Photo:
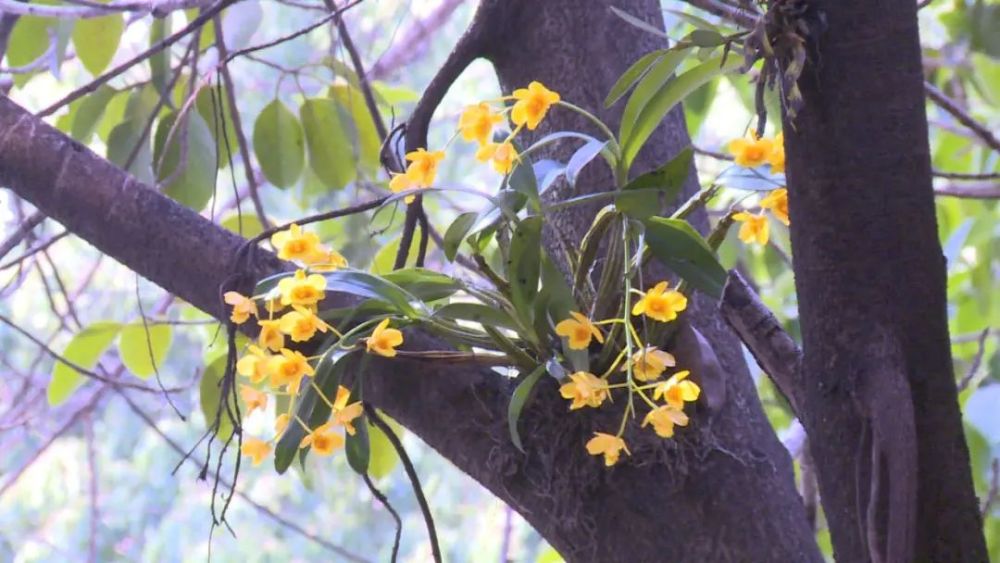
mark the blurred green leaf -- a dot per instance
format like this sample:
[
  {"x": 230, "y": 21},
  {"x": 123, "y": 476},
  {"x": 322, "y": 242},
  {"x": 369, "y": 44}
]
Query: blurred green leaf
[
  {"x": 96, "y": 41},
  {"x": 210, "y": 394},
  {"x": 330, "y": 154},
  {"x": 138, "y": 342},
  {"x": 358, "y": 446},
  {"x": 122, "y": 141},
  {"x": 525, "y": 263},
  {"x": 366, "y": 142},
  {"x": 250, "y": 222},
  {"x": 185, "y": 160},
  {"x": 84, "y": 350},
  {"x": 91, "y": 110},
  {"x": 28, "y": 40},
  {"x": 279, "y": 144},
  {"x": 383, "y": 457},
  {"x": 213, "y": 106}
]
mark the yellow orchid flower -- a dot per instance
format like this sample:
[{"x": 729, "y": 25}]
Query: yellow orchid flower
[
  {"x": 579, "y": 330},
  {"x": 648, "y": 363},
  {"x": 608, "y": 445},
  {"x": 585, "y": 390},
  {"x": 256, "y": 448},
  {"x": 243, "y": 306},
  {"x": 755, "y": 228},
  {"x": 660, "y": 304},
  {"x": 384, "y": 340},
  {"x": 677, "y": 390},
  {"x": 664, "y": 419},
  {"x": 532, "y": 104}
]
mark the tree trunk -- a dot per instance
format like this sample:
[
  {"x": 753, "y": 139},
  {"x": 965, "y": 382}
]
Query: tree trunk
[
  {"x": 721, "y": 491},
  {"x": 881, "y": 404}
]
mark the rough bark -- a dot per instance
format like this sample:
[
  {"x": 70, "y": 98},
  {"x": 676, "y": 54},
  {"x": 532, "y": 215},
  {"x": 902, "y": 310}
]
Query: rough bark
[
  {"x": 880, "y": 400},
  {"x": 722, "y": 491}
]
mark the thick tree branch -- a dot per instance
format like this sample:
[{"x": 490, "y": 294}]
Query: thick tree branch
[{"x": 778, "y": 355}]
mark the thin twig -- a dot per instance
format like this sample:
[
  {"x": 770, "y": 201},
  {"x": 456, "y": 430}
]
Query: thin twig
[
  {"x": 291, "y": 525},
  {"x": 970, "y": 191},
  {"x": 950, "y": 106},
  {"x": 976, "y": 360},
  {"x": 418, "y": 491},
  {"x": 21, "y": 233},
  {"x": 241, "y": 139},
  {"x": 395, "y": 515},
  {"x": 166, "y": 42}
]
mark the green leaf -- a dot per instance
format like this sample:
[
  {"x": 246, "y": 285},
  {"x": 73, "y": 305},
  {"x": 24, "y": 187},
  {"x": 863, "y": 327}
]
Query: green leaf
[
  {"x": 524, "y": 266},
  {"x": 90, "y": 112},
  {"x": 366, "y": 143},
  {"x": 679, "y": 247},
  {"x": 239, "y": 25},
  {"x": 424, "y": 284},
  {"x": 279, "y": 144},
  {"x": 191, "y": 173},
  {"x": 383, "y": 457},
  {"x": 159, "y": 63},
  {"x": 590, "y": 245},
  {"x": 457, "y": 232},
  {"x": 477, "y": 313},
  {"x": 641, "y": 198},
  {"x": 522, "y": 179},
  {"x": 86, "y": 347},
  {"x": 658, "y": 75},
  {"x": 219, "y": 119},
  {"x": 330, "y": 154},
  {"x": 665, "y": 98},
  {"x": 141, "y": 104},
  {"x": 517, "y": 401},
  {"x": 96, "y": 40},
  {"x": 210, "y": 394},
  {"x": 634, "y": 73},
  {"x": 358, "y": 446},
  {"x": 385, "y": 259},
  {"x": 122, "y": 140},
  {"x": 310, "y": 408},
  {"x": 134, "y": 347},
  {"x": 704, "y": 38},
  {"x": 250, "y": 222},
  {"x": 28, "y": 40},
  {"x": 371, "y": 286},
  {"x": 581, "y": 158},
  {"x": 114, "y": 113}
]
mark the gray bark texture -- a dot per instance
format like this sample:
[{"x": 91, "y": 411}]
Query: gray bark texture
[{"x": 880, "y": 401}]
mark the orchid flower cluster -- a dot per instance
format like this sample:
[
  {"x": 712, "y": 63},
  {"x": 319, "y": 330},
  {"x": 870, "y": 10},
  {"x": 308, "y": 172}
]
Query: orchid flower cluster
[
  {"x": 291, "y": 314},
  {"x": 616, "y": 353},
  {"x": 757, "y": 151},
  {"x": 643, "y": 370}
]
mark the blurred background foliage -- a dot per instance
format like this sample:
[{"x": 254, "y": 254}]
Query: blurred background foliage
[{"x": 87, "y": 470}]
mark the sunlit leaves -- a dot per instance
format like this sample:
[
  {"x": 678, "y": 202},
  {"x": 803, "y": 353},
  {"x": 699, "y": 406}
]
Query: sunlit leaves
[
  {"x": 143, "y": 348},
  {"x": 122, "y": 143},
  {"x": 330, "y": 154},
  {"x": 279, "y": 144},
  {"x": 90, "y": 112},
  {"x": 96, "y": 41},
  {"x": 28, "y": 40},
  {"x": 86, "y": 347},
  {"x": 184, "y": 159}
]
